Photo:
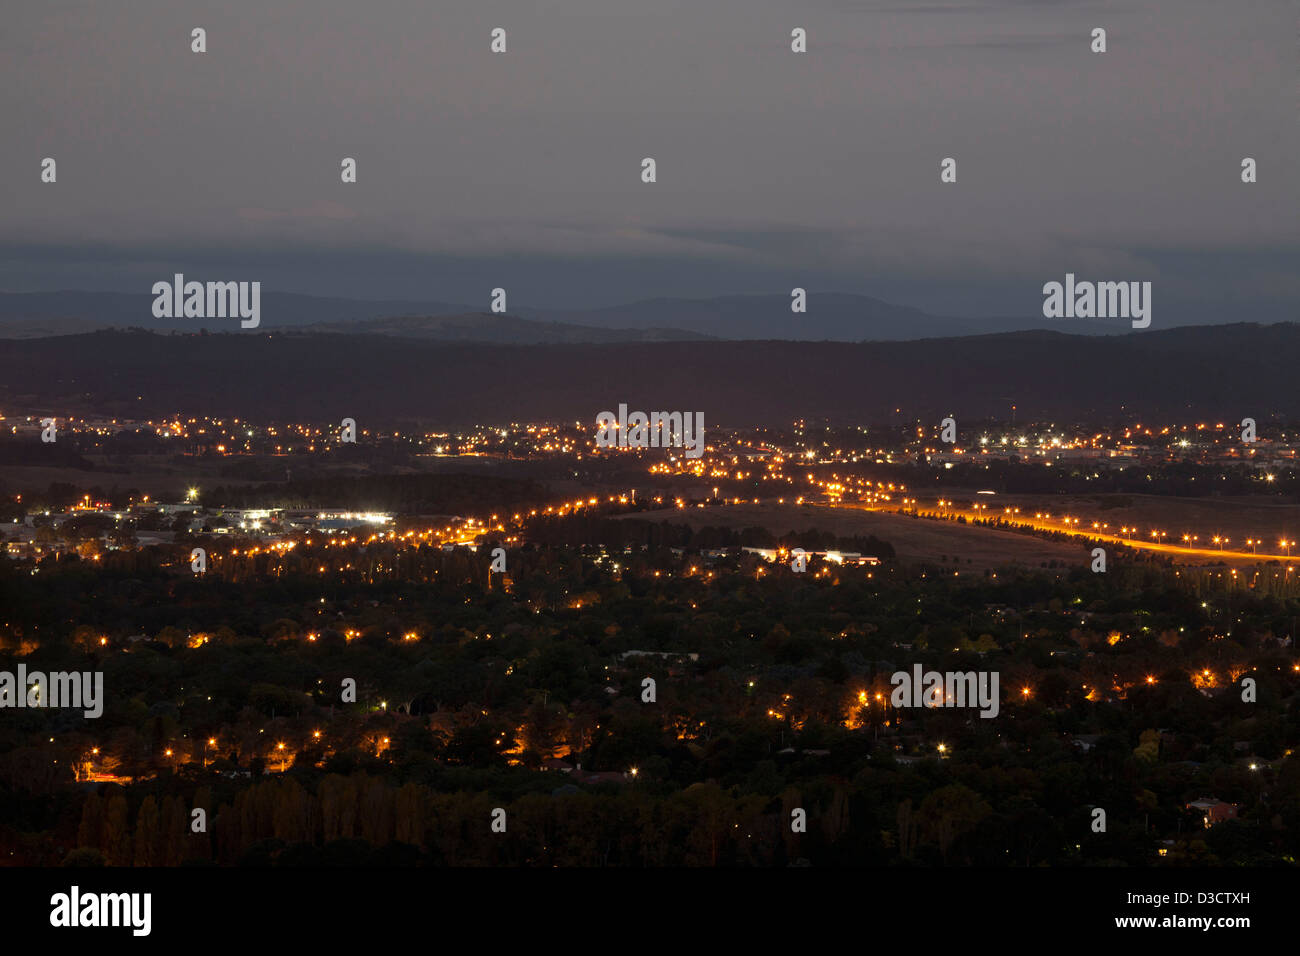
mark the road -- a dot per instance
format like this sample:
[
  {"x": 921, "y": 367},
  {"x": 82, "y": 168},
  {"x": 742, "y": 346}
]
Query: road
[{"x": 1058, "y": 526}]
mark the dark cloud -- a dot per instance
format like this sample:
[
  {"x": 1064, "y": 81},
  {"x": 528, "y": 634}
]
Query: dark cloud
[{"x": 822, "y": 166}]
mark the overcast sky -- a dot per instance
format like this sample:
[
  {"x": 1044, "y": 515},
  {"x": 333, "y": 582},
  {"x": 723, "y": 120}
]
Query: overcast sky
[{"x": 775, "y": 169}]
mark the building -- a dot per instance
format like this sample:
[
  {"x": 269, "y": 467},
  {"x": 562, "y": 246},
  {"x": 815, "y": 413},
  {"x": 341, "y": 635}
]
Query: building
[{"x": 1213, "y": 811}]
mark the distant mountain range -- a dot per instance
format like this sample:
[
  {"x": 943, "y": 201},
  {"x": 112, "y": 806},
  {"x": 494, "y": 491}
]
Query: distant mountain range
[
  {"x": 1218, "y": 373},
  {"x": 494, "y": 329},
  {"x": 830, "y": 316}
]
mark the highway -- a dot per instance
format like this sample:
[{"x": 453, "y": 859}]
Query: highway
[{"x": 1059, "y": 526}]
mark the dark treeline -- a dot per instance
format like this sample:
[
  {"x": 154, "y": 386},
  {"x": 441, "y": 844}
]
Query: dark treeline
[
  {"x": 27, "y": 450},
  {"x": 869, "y": 818},
  {"x": 1184, "y": 479},
  {"x": 406, "y": 494},
  {"x": 639, "y": 532},
  {"x": 141, "y": 374}
]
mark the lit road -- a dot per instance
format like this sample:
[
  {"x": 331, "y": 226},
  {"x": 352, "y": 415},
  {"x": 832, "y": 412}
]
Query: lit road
[{"x": 1058, "y": 526}]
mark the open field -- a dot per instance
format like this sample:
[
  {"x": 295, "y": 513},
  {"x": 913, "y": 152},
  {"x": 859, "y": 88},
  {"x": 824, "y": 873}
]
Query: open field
[{"x": 914, "y": 539}]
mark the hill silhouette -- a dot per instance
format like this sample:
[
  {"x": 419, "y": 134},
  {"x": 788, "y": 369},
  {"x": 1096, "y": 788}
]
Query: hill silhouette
[{"x": 1222, "y": 372}]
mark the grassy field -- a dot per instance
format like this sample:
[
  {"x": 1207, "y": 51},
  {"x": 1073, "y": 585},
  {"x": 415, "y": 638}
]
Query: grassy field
[{"x": 914, "y": 539}]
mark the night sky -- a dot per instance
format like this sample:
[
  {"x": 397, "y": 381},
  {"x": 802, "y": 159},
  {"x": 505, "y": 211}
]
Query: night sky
[{"x": 775, "y": 169}]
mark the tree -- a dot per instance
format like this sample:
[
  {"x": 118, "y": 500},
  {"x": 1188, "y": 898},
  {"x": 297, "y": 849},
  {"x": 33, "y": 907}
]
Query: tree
[
  {"x": 1148, "y": 748},
  {"x": 90, "y": 833},
  {"x": 117, "y": 835},
  {"x": 84, "y": 856},
  {"x": 147, "y": 827},
  {"x": 950, "y": 812},
  {"x": 906, "y": 830},
  {"x": 480, "y": 745},
  {"x": 172, "y": 837}
]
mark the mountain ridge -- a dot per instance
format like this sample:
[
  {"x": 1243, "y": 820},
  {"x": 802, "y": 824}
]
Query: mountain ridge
[
  {"x": 1174, "y": 374},
  {"x": 831, "y": 316}
]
